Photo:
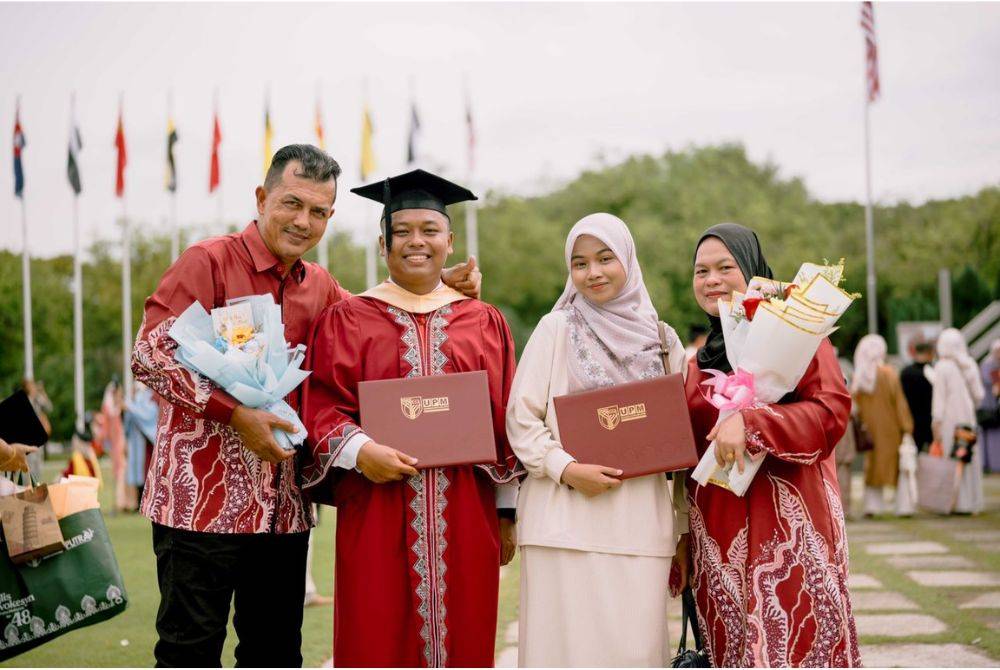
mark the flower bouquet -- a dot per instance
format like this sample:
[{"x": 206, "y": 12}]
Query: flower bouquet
[
  {"x": 242, "y": 348},
  {"x": 772, "y": 333}
]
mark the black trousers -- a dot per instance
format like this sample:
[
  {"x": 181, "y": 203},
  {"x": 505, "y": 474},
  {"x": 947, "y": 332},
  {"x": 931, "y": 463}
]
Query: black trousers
[{"x": 199, "y": 575}]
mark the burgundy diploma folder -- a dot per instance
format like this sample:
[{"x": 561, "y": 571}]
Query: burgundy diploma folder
[
  {"x": 440, "y": 420},
  {"x": 641, "y": 427}
]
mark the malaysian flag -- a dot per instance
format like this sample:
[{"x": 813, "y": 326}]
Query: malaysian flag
[
  {"x": 18, "y": 147},
  {"x": 871, "y": 51}
]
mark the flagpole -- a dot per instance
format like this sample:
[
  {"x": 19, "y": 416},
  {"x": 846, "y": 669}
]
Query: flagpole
[
  {"x": 126, "y": 302},
  {"x": 29, "y": 362},
  {"x": 371, "y": 276},
  {"x": 869, "y": 226},
  {"x": 471, "y": 209},
  {"x": 126, "y": 259},
  {"x": 175, "y": 239},
  {"x": 175, "y": 234},
  {"x": 77, "y": 318},
  {"x": 322, "y": 251},
  {"x": 218, "y": 196},
  {"x": 371, "y": 269},
  {"x": 472, "y": 226}
]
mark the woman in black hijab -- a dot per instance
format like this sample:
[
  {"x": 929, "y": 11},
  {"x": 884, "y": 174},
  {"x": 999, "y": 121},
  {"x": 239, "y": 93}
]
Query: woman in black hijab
[{"x": 768, "y": 569}]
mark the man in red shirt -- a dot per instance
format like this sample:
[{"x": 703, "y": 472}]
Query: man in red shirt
[{"x": 228, "y": 515}]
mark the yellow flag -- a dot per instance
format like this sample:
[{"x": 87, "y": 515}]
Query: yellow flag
[
  {"x": 367, "y": 152},
  {"x": 268, "y": 137}
]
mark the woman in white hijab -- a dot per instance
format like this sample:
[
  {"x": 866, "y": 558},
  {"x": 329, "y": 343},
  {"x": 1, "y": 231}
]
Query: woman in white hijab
[
  {"x": 957, "y": 391},
  {"x": 595, "y": 550},
  {"x": 882, "y": 408}
]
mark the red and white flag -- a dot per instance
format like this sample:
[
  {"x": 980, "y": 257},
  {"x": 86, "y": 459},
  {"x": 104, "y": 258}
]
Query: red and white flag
[
  {"x": 122, "y": 155},
  {"x": 871, "y": 51},
  {"x": 214, "y": 174}
]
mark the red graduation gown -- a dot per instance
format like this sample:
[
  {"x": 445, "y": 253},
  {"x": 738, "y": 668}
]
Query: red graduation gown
[
  {"x": 417, "y": 561},
  {"x": 770, "y": 568}
]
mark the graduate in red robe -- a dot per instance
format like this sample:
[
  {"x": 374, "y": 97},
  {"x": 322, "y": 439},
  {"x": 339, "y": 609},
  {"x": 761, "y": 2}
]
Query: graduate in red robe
[
  {"x": 418, "y": 552},
  {"x": 769, "y": 569}
]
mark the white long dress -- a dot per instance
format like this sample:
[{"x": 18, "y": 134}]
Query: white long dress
[
  {"x": 953, "y": 403},
  {"x": 594, "y": 571}
]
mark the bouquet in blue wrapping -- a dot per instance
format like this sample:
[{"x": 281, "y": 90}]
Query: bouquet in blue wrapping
[{"x": 242, "y": 348}]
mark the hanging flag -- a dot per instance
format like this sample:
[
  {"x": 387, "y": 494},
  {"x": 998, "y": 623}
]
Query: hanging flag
[
  {"x": 171, "y": 180},
  {"x": 367, "y": 151},
  {"x": 122, "y": 156},
  {"x": 471, "y": 132},
  {"x": 319, "y": 126},
  {"x": 73, "y": 158},
  {"x": 214, "y": 174},
  {"x": 871, "y": 51},
  {"x": 268, "y": 136},
  {"x": 411, "y": 143},
  {"x": 19, "y": 144}
]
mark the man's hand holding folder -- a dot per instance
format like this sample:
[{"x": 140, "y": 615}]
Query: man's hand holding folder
[{"x": 382, "y": 464}]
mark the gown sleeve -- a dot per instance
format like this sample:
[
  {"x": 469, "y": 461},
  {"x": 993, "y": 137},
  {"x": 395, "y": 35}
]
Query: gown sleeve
[
  {"x": 808, "y": 428},
  {"x": 329, "y": 396},
  {"x": 191, "y": 278}
]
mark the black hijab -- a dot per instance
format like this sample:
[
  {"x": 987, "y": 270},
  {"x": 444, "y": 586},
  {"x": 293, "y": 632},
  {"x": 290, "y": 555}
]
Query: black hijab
[{"x": 745, "y": 248}]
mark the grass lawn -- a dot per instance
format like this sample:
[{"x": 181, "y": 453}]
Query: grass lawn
[{"x": 128, "y": 639}]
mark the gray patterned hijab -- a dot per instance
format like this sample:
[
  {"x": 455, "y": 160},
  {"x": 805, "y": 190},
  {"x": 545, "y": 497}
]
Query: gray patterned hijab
[{"x": 618, "y": 341}]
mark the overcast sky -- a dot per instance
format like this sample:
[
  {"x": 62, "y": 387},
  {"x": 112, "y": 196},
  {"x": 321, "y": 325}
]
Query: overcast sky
[{"x": 553, "y": 86}]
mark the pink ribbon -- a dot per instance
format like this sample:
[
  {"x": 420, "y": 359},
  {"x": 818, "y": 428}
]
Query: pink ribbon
[{"x": 732, "y": 392}]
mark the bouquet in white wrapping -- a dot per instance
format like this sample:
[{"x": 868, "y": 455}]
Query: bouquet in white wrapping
[
  {"x": 772, "y": 333},
  {"x": 242, "y": 348}
]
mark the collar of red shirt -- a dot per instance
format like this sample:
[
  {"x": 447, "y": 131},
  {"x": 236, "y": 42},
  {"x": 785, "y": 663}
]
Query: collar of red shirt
[{"x": 263, "y": 259}]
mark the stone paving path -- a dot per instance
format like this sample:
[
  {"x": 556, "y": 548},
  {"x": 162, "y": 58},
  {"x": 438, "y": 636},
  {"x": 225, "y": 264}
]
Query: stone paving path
[{"x": 946, "y": 566}]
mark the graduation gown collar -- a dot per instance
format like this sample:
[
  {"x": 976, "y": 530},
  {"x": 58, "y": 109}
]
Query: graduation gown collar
[{"x": 395, "y": 295}]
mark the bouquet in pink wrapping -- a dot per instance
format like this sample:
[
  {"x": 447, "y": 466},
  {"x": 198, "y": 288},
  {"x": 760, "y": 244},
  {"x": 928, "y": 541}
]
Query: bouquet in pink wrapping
[{"x": 772, "y": 333}]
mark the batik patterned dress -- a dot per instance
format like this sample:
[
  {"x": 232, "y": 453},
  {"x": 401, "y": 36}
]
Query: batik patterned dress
[{"x": 770, "y": 568}]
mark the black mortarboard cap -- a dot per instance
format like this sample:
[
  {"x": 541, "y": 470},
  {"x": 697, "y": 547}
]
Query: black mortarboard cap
[
  {"x": 417, "y": 189},
  {"x": 19, "y": 423}
]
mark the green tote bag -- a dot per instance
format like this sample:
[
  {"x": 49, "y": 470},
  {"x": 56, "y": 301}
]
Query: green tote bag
[{"x": 77, "y": 587}]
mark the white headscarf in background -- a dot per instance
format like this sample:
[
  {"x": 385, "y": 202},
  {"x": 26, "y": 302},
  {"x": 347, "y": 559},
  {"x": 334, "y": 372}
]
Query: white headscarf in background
[
  {"x": 951, "y": 346},
  {"x": 867, "y": 357},
  {"x": 618, "y": 341}
]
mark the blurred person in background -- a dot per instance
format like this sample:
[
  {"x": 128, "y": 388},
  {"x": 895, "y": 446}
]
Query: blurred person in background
[
  {"x": 846, "y": 449},
  {"x": 84, "y": 450},
  {"x": 882, "y": 410},
  {"x": 111, "y": 436},
  {"x": 958, "y": 390},
  {"x": 989, "y": 409},
  {"x": 40, "y": 402},
  {"x": 139, "y": 422},
  {"x": 917, "y": 389}
]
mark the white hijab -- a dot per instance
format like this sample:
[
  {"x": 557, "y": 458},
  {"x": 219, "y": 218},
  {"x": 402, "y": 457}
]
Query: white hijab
[
  {"x": 618, "y": 341},
  {"x": 869, "y": 355},
  {"x": 951, "y": 346}
]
